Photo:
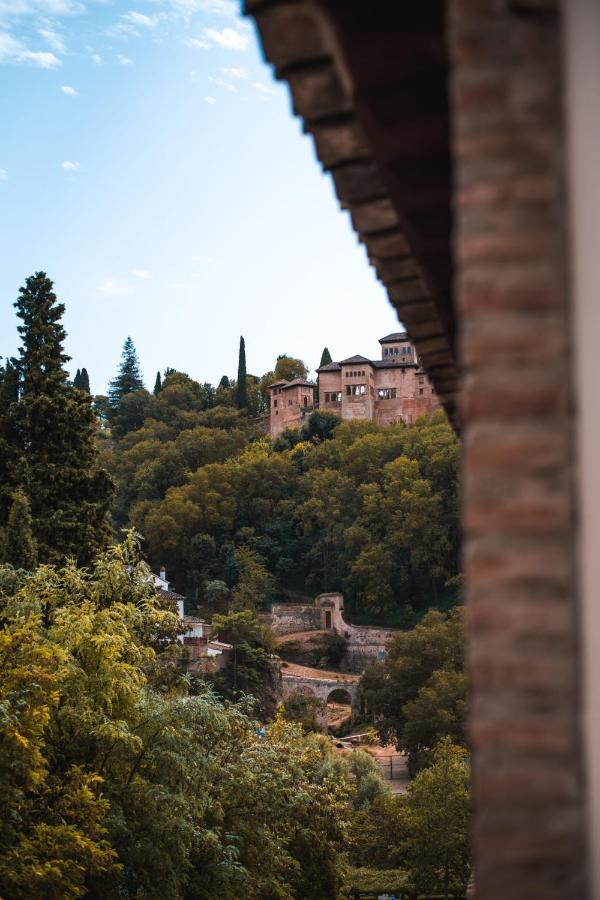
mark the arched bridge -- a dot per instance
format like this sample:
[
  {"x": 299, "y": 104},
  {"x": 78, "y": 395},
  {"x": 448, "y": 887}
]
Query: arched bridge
[{"x": 297, "y": 679}]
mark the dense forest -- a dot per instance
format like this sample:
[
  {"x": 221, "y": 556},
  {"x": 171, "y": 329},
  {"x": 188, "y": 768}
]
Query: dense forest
[
  {"x": 337, "y": 506},
  {"x": 123, "y": 776}
]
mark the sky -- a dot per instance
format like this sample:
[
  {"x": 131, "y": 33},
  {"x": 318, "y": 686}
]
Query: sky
[{"x": 151, "y": 166}]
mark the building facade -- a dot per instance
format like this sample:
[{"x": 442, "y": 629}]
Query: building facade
[
  {"x": 391, "y": 389},
  {"x": 291, "y": 402}
]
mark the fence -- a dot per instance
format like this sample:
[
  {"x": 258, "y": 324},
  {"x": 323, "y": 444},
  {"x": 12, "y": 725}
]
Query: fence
[{"x": 393, "y": 767}]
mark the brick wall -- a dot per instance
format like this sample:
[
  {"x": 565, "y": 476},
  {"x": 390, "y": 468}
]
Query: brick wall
[{"x": 518, "y": 451}]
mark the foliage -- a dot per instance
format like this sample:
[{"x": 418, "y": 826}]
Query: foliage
[
  {"x": 325, "y": 357},
  {"x": 304, "y": 710},
  {"x": 435, "y": 817},
  {"x": 20, "y": 547},
  {"x": 128, "y": 379},
  {"x": 117, "y": 783},
  {"x": 53, "y": 455},
  {"x": 157, "y": 385},
  {"x": 287, "y": 368},
  {"x": 369, "y": 511},
  {"x": 251, "y": 668},
  {"x": 417, "y": 694},
  {"x": 241, "y": 397}
]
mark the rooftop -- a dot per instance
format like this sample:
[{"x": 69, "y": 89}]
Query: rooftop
[
  {"x": 352, "y": 360},
  {"x": 390, "y": 363},
  {"x": 394, "y": 337},
  {"x": 296, "y": 382}
]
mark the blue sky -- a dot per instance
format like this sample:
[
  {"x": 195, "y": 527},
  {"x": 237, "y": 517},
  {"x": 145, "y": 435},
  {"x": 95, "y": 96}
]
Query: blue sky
[{"x": 151, "y": 165}]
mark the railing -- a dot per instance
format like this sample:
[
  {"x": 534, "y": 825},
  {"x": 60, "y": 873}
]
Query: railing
[{"x": 393, "y": 768}]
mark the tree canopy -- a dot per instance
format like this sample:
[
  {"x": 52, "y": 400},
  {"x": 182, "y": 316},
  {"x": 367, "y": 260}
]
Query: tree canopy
[
  {"x": 52, "y": 455},
  {"x": 129, "y": 376}
]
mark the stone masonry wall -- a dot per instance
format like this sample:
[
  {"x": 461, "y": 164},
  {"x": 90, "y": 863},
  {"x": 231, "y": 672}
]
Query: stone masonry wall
[
  {"x": 291, "y": 618},
  {"x": 363, "y": 642},
  {"x": 517, "y": 414}
]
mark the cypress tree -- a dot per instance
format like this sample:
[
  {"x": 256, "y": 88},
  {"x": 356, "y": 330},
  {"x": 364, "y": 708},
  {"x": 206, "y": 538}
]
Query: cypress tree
[
  {"x": 325, "y": 357},
  {"x": 84, "y": 381},
  {"x": 77, "y": 380},
  {"x": 20, "y": 548},
  {"x": 58, "y": 457},
  {"x": 9, "y": 451},
  {"x": 224, "y": 382},
  {"x": 157, "y": 385},
  {"x": 129, "y": 377},
  {"x": 241, "y": 393}
]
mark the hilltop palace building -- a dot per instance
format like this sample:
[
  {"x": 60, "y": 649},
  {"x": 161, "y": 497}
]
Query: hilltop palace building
[{"x": 387, "y": 390}]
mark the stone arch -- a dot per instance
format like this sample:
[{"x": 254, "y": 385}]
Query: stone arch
[{"x": 339, "y": 694}]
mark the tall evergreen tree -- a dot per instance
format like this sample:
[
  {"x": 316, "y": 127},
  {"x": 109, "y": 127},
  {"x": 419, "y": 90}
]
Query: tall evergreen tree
[
  {"x": 84, "y": 381},
  {"x": 20, "y": 549},
  {"x": 157, "y": 385},
  {"x": 325, "y": 357},
  {"x": 241, "y": 394},
  {"x": 55, "y": 436},
  {"x": 224, "y": 382},
  {"x": 9, "y": 451},
  {"x": 77, "y": 380},
  {"x": 129, "y": 377}
]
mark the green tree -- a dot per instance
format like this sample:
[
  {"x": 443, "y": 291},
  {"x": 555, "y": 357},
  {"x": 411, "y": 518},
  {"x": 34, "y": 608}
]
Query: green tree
[
  {"x": 85, "y": 381},
  {"x": 423, "y": 667},
  {"x": 288, "y": 367},
  {"x": 9, "y": 446},
  {"x": 438, "y": 710},
  {"x": 241, "y": 397},
  {"x": 55, "y": 436},
  {"x": 325, "y": 357},
  {"x": 435, "y": 818},
  {"x": 157, "y": 385},
  {"x": 77, "y": 379},
  {"x": 320, "y": 426},
  {"x": 250, "y": 669},
  {"x": 20, "y": 547},
  {"x": 129, "y": 377}
]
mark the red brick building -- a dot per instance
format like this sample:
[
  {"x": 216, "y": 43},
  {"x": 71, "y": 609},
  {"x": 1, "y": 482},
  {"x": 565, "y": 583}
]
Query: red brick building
[
  {"x": 387, "y": 390},
  {"x": 291, "y": 402},
  {"x": 463, "y": 138}
]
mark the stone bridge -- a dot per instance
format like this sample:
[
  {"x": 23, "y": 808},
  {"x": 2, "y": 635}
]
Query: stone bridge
[{"x": 297, "y": 679}]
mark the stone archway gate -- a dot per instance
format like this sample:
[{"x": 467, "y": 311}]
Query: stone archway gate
[{"x": 297, "y": 679}]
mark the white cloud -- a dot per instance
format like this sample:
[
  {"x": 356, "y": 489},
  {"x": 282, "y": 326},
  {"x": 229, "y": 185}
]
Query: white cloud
[
  {"x": 227, "y": 38},
  {"x": 14, "y": 51},
  {"x": 139, "y": 19},
  {"x": 227, "y": 85},
  {"x": 227, "y": 9},
  {"x": 41, "y": 59},
  {"x": 69, "y": 91},
  {"x": 69, "y": 166},
  {"x": 22, "y": 8},
  {"x": 115, "y": 287},
  {"x": 234, "y": 72},
  {"x": 3, "y": 175},
  {"x": 263, "y": 88},
  {"x": 124, "y": 60},
  {"x": 201, "y": 258},
  {"x": 53, "y": 39},
  {"x": 141, "y": 273},
  {"x": 211, "y": 100},
  {"x": 196, "y": 43},
  {"x": 97, "y": 59}
]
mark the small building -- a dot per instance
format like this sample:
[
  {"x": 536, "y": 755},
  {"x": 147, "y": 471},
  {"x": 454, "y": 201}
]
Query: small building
[
  {"x": 163, "y": 590},
  {"x": 291, "y": 402}
]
